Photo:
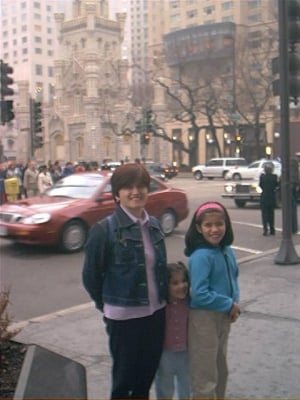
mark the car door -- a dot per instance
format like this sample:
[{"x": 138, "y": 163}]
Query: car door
[{"x": 213, "y": 168}]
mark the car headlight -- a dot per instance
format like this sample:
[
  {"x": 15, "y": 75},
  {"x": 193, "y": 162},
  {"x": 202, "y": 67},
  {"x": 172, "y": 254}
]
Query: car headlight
[
  {"x": 229, "y": 188},
  {"x": 37, "y": 219}
]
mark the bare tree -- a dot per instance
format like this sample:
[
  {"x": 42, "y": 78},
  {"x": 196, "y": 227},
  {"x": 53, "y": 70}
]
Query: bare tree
[{"x": 252, "y": 89}]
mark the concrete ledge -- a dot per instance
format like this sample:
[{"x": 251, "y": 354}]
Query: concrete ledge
[{"x": 48, "y": 375}]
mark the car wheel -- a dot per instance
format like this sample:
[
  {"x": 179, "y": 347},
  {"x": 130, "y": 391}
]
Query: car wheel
[
  {"x": 236, "y": 177},
  {"x": 240, "y": 203},
  {"x": 198, "y": 175},
  {"x": 168, "y": 222},
  {"x": 73, "y": 236}
]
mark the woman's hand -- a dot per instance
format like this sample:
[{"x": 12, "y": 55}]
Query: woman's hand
[{"x": 234, "y": 312}]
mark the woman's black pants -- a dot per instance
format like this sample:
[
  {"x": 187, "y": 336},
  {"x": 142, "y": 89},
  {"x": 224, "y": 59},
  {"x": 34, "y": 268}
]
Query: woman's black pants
[{"x": 136, "y": 347}]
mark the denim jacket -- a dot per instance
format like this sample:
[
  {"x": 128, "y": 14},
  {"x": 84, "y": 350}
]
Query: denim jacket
[{"x": 114, "y": 267}]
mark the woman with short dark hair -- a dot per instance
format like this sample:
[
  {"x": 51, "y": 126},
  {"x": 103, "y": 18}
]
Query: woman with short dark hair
[{"x": 125, "y": 274}]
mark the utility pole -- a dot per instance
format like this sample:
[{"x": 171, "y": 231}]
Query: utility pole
[{"x": 289, "y": 37}]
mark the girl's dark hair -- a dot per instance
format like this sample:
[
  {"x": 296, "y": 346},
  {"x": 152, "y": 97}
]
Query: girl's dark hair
[
  {"x": 194, "y": 239},
  {"x": 127, "y": 176}
]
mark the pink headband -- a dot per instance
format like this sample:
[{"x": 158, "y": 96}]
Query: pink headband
[{"x": 208, "y": 206}]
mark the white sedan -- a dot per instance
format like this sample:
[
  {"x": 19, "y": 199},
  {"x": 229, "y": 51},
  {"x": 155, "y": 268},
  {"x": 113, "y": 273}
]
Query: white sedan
[{"x": 253, "y": 170}]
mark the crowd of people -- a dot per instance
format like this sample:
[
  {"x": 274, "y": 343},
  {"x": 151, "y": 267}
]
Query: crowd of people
[
  {"x": 166, "y": 323},
  {"x": 21, "y": 180}
]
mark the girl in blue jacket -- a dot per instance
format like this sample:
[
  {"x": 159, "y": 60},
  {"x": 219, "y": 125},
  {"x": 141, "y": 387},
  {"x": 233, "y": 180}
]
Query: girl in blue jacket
[{"x": 214, "y": 298}]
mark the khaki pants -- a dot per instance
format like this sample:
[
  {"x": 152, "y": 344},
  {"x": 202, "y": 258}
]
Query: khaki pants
[{"x": 208, "y": 338}]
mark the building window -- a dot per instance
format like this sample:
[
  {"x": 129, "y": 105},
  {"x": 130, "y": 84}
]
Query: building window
[
  {"x": 14, "y": 31},
  {"x": 25, "y": 51},
  {"x": 174, "y": 4},
  {"x": 175, "y": 18},
  {"x": 49, "y": 42},
  {"x": 24, "y": 39},
  {"x": 50, "y": 53},
  {"x": 229, "y": 18},
  {"x": 254, "y": 18},
  {"x": 38, "y": 28},
  {"x": 15, "y": 53},
  {"x": 4, "y": 34},
  {"x": 38, "y": 69},
  {"x": 5, "y": 45},
  {"x": 38, "y": 50},
  {"x": 38, "y": 39},
  {"x": 209, "y": 10},
  {"x": 227, "y": 5},
  {"x": 254, "y": 4},
  {"x": 36, "y": 4},
  {"x": 50, "y": 72},
  {"x": 15, "y": 42},
  {"x": 49, "y": 30},
  {"x": 191, "y": 13},
  {"x": 37, "y": 16},
  {"x": 23, "y": 5},
  {"x": 49, "y": 8}
]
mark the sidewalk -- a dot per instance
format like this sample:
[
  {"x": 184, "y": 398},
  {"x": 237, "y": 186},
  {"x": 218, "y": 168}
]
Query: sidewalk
[{"x": 264, "y": 347}]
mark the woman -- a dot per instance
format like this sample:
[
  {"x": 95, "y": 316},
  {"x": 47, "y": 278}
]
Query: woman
[
  {"x": 44, "y": 179},
  {"x": 125, "y": 274}
]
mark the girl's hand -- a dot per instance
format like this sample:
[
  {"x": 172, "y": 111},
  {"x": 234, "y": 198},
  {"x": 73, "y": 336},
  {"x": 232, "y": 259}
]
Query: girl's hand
[{"x": 234, "y": 312}]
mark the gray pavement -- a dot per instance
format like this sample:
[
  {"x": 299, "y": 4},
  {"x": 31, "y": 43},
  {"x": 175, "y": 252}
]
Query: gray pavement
[{"x": 264, "y": 346}]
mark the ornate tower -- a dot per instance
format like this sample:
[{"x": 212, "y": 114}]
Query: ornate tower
[{"x": 91, "y": 86}]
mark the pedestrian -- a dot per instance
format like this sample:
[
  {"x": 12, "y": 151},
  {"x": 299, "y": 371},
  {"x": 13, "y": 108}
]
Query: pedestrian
[
  {"x": 44, "y": 179},
  {"x": 269, "y": 184},
  {"x": 125, "y": 274},
  {"x": 173, "y": 371},
  {"x": 30, "y": 179},
  {"x": 214, "y": 298}
]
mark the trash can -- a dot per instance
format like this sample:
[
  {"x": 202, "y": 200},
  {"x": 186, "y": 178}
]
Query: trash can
[{"x": 12, "y": 188}]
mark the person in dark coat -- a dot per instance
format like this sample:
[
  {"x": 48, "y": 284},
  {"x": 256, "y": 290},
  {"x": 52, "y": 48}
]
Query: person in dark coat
[{"x": 269, "y": 184}]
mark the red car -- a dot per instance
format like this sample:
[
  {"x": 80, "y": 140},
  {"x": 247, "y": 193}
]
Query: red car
[{"x": 63, "y": 216}]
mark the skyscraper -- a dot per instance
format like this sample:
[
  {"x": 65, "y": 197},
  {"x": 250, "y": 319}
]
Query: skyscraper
[{"x": 28, "y": 41}]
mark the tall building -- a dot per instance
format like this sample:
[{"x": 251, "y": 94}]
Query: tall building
[{"x": 28, "y": 42}]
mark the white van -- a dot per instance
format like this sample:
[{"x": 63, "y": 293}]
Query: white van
[{"x": 217, "y": 167}]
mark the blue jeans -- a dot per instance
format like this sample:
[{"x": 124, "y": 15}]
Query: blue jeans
[{"x": 173, "y": 376}]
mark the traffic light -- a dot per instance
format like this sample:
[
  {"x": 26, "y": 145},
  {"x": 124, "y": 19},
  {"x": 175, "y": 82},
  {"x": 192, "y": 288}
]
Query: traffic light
[
  {"x": 6, "y": 80},
  {"x": 149, "y": 124},
  {"x": 37, "y": 142},
  {"x": 36, "y": 116},
  {"x": 146, "y": 138},
  {"x": 138, "y": 126},
  {"x": 7, "y": 113},
  {"x": 293, "y": 26},
  {"x": 7, "y": 106}
]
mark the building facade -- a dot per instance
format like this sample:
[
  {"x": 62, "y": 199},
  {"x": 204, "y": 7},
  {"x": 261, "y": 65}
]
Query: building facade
[{"x": 183, "y": 37}]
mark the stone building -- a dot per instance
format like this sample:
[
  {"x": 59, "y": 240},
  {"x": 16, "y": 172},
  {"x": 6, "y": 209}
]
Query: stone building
[{"x": 90, "y": 111}]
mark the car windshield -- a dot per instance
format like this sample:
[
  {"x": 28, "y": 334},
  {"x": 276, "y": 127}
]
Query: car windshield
[{"x": 77, "y": 186}]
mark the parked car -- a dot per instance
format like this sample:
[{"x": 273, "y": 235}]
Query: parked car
[
  {"x": 253, "y": 170},
  {"x": 246, "y": 192},
  {"x": 217, "y": 167},
  {"x": 63, "y": 215}
]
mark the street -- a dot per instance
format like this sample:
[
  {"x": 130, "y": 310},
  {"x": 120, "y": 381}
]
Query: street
[{"x": 42, "y": 281}]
